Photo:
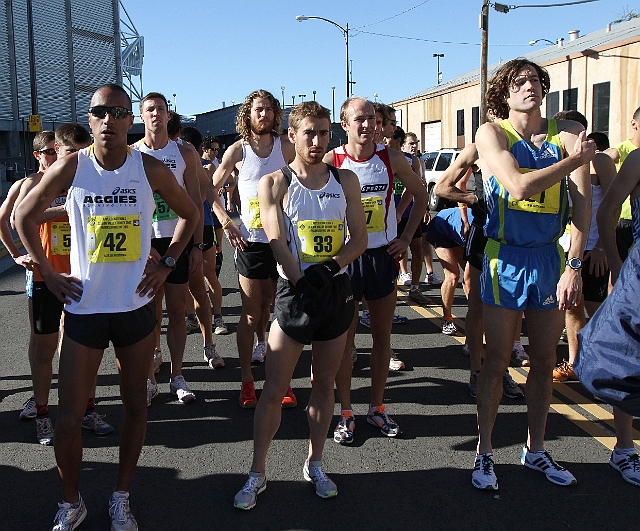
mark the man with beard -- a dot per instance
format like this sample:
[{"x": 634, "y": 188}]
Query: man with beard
[
  {"x": 260, "y": 151},
  {"x": 305, "y": 210},
  {"x": 373, "y": 275}
]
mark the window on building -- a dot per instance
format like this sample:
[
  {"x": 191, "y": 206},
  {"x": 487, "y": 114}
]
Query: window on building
[
  {"x": 475, "y": 122},
  {"x": 460, "y": 123},
  {"x": 553, "y": 103},
  {"x": 601, "y": 105},
  {"x": 570, "y": 100}
]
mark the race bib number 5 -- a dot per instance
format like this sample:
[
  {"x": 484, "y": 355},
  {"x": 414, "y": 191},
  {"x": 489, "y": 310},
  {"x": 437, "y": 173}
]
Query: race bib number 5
[
  {"x": 546, "y": 202},
  {"x": 61, "y": 238},
  {"x": 374, "y": 212},
  {"x": 162, "y": 211},
  {"x": 254, "y": 213},
  {"x": 320, "y": 239},
  {"x": 113, "y": 238}
]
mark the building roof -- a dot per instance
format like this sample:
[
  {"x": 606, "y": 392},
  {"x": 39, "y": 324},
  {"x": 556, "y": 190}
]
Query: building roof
[{"x": 591, "y": 41}]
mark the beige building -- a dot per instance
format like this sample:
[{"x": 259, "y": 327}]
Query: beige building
[{"x": 596, "y": 74}]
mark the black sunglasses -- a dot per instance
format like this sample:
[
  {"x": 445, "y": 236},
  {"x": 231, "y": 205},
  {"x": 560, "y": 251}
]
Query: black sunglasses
[
  {"x": 100, "y": 111},
  {"x": 48, "y": 151}
]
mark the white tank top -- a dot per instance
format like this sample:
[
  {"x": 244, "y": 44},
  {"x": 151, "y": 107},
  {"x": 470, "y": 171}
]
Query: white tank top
[
  {"x": 315, "y": 222},
  {"x": 596, "y": 199},
  {"x": 165, "y": 219},
  {"x": 110, "y": 217},
  {"x": 254, "y": 167},
  {"x": 376, "y": 182}
]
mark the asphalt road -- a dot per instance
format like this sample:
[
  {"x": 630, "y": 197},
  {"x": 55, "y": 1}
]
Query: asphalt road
[{"x": 196, "y": 456}]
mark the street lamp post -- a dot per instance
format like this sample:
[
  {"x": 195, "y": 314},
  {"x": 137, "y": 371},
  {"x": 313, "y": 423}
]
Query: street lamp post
[
  {"x": 333, "y": 97},
  {"x": 175, "y": 103},
  {"x": 293, "y": 100},
  {"x": 345, "y": 32},
  {"x": 314, "y": 95},
  {"x": 438, "y": 56},
  {"x": 302, "y": 96},
  {"x": 375, "y": 96},
  {"x": 282, "y": 89}
]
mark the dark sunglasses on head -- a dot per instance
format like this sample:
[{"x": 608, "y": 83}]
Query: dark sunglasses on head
[
  {"x": 100, "y": 111},
  {"x": 48, "y": 151},
  {"x": 214, "y": 149}
]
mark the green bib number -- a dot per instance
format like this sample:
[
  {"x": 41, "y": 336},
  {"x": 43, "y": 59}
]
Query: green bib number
[{"x": 162, "y": 211}]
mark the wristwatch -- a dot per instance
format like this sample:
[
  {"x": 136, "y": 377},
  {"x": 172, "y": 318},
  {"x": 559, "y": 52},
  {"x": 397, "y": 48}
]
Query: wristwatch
[
  {"x": 199, "y": 246},
  {"x": 169, "y": 262},
  {"x": 574, "y": 263}
]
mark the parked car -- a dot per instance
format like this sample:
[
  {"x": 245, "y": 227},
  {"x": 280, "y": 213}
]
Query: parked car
[{"x": 436, "y": 162}]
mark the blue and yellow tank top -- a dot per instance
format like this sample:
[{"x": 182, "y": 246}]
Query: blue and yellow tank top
[{"x": 535, "y": 221}]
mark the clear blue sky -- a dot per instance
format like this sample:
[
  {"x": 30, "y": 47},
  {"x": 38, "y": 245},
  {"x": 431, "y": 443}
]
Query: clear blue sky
[{"x": 209, "y": 52}]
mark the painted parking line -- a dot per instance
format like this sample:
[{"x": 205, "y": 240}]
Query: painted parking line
[{"x": 570, "y": 411}]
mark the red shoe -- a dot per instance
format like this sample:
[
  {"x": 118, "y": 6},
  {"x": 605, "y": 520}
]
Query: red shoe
[
  {"x": 248, "y": 396},
  {"x": 289, "y": 399}
]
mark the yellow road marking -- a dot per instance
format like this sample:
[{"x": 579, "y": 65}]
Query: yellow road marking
[{"x": 434, "y": 314}]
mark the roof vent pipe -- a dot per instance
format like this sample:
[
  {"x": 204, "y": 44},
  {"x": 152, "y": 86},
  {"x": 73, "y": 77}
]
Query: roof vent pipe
[
  {"x": 574, "y": 34},
  {"x": 560, "y": 42}
]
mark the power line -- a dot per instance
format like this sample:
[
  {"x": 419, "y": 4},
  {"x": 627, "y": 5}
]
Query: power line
[
  {"x": 394, "y": 16},
  {"x": 438, "y": 42}
]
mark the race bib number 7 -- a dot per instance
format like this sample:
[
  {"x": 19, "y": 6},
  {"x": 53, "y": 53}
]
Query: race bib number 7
[
  {"x": 374, "y": 213},
  {"x": 113, "y": 238},
  {"x": 320, "y": 239},
  {"x": 546, "y": 202}
]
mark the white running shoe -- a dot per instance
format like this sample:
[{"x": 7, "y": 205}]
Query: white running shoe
[
  {"x": 179, "y": 388},
  {"x": 212, "y": 358},
  {"x": 483, "y": 476},
  {"x": 246, "y": 498},
  {"x": 220, "y": 328},
  {"x": 628, "y": 464},
  {"x": 29, "y": 411},
  {"x": 542, "y": 462},
  {"x": 259, "y": 352},
  {"x": 395, "y": 363},
  {"x": 121, "y": 517},
  {"x": 69, "y": 516},
  {"x": 325, "y": 488},
  {"x": 432, "y": 279},
  {"x": 404, "y": 279}
]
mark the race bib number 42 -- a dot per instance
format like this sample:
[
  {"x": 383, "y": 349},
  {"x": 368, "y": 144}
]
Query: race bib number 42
[
  {"x": 320, "y": 239},
  {"x": 113, "y": 238},
  {"x": 61, "y": 238},
  {"x": 374, "y": 212}
]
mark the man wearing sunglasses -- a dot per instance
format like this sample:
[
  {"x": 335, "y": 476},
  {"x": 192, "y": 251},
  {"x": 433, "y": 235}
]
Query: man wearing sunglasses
[
  {"x": 183, "y": 162},
  {"x": 110, "y": 205}
]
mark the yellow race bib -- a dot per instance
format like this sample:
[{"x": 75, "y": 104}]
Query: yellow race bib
[
  {"x": 61, "y": 238},
  {"x": 113, "y": 238},
  {"x": 374, "y": 212},
  {"x": 320, "y": 239},
  {"x": 546, "y": 202},
  {"x": 254, "y": 213}
]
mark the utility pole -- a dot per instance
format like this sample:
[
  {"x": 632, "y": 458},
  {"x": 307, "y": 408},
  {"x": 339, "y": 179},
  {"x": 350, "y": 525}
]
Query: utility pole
[{"x": 484, "y": 50}]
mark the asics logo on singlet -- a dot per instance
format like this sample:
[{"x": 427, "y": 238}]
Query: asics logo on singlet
[
  {"x": 547, "y": 154},
  {"x": 374, "y": 188},
  {"x": 329, "y": 195},
  {"x": 109, "y": 199},
  {"x": 59, "y": 201},
  {"x": 118, "y": 190},
  {"x": 170, "y": 163}
]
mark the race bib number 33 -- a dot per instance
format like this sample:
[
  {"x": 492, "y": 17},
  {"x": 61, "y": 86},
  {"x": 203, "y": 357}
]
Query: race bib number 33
[
  {"x": 320, "y": 239},
  {"x": 113, "y": 238},
  {"x": 374, "y": 213}
]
